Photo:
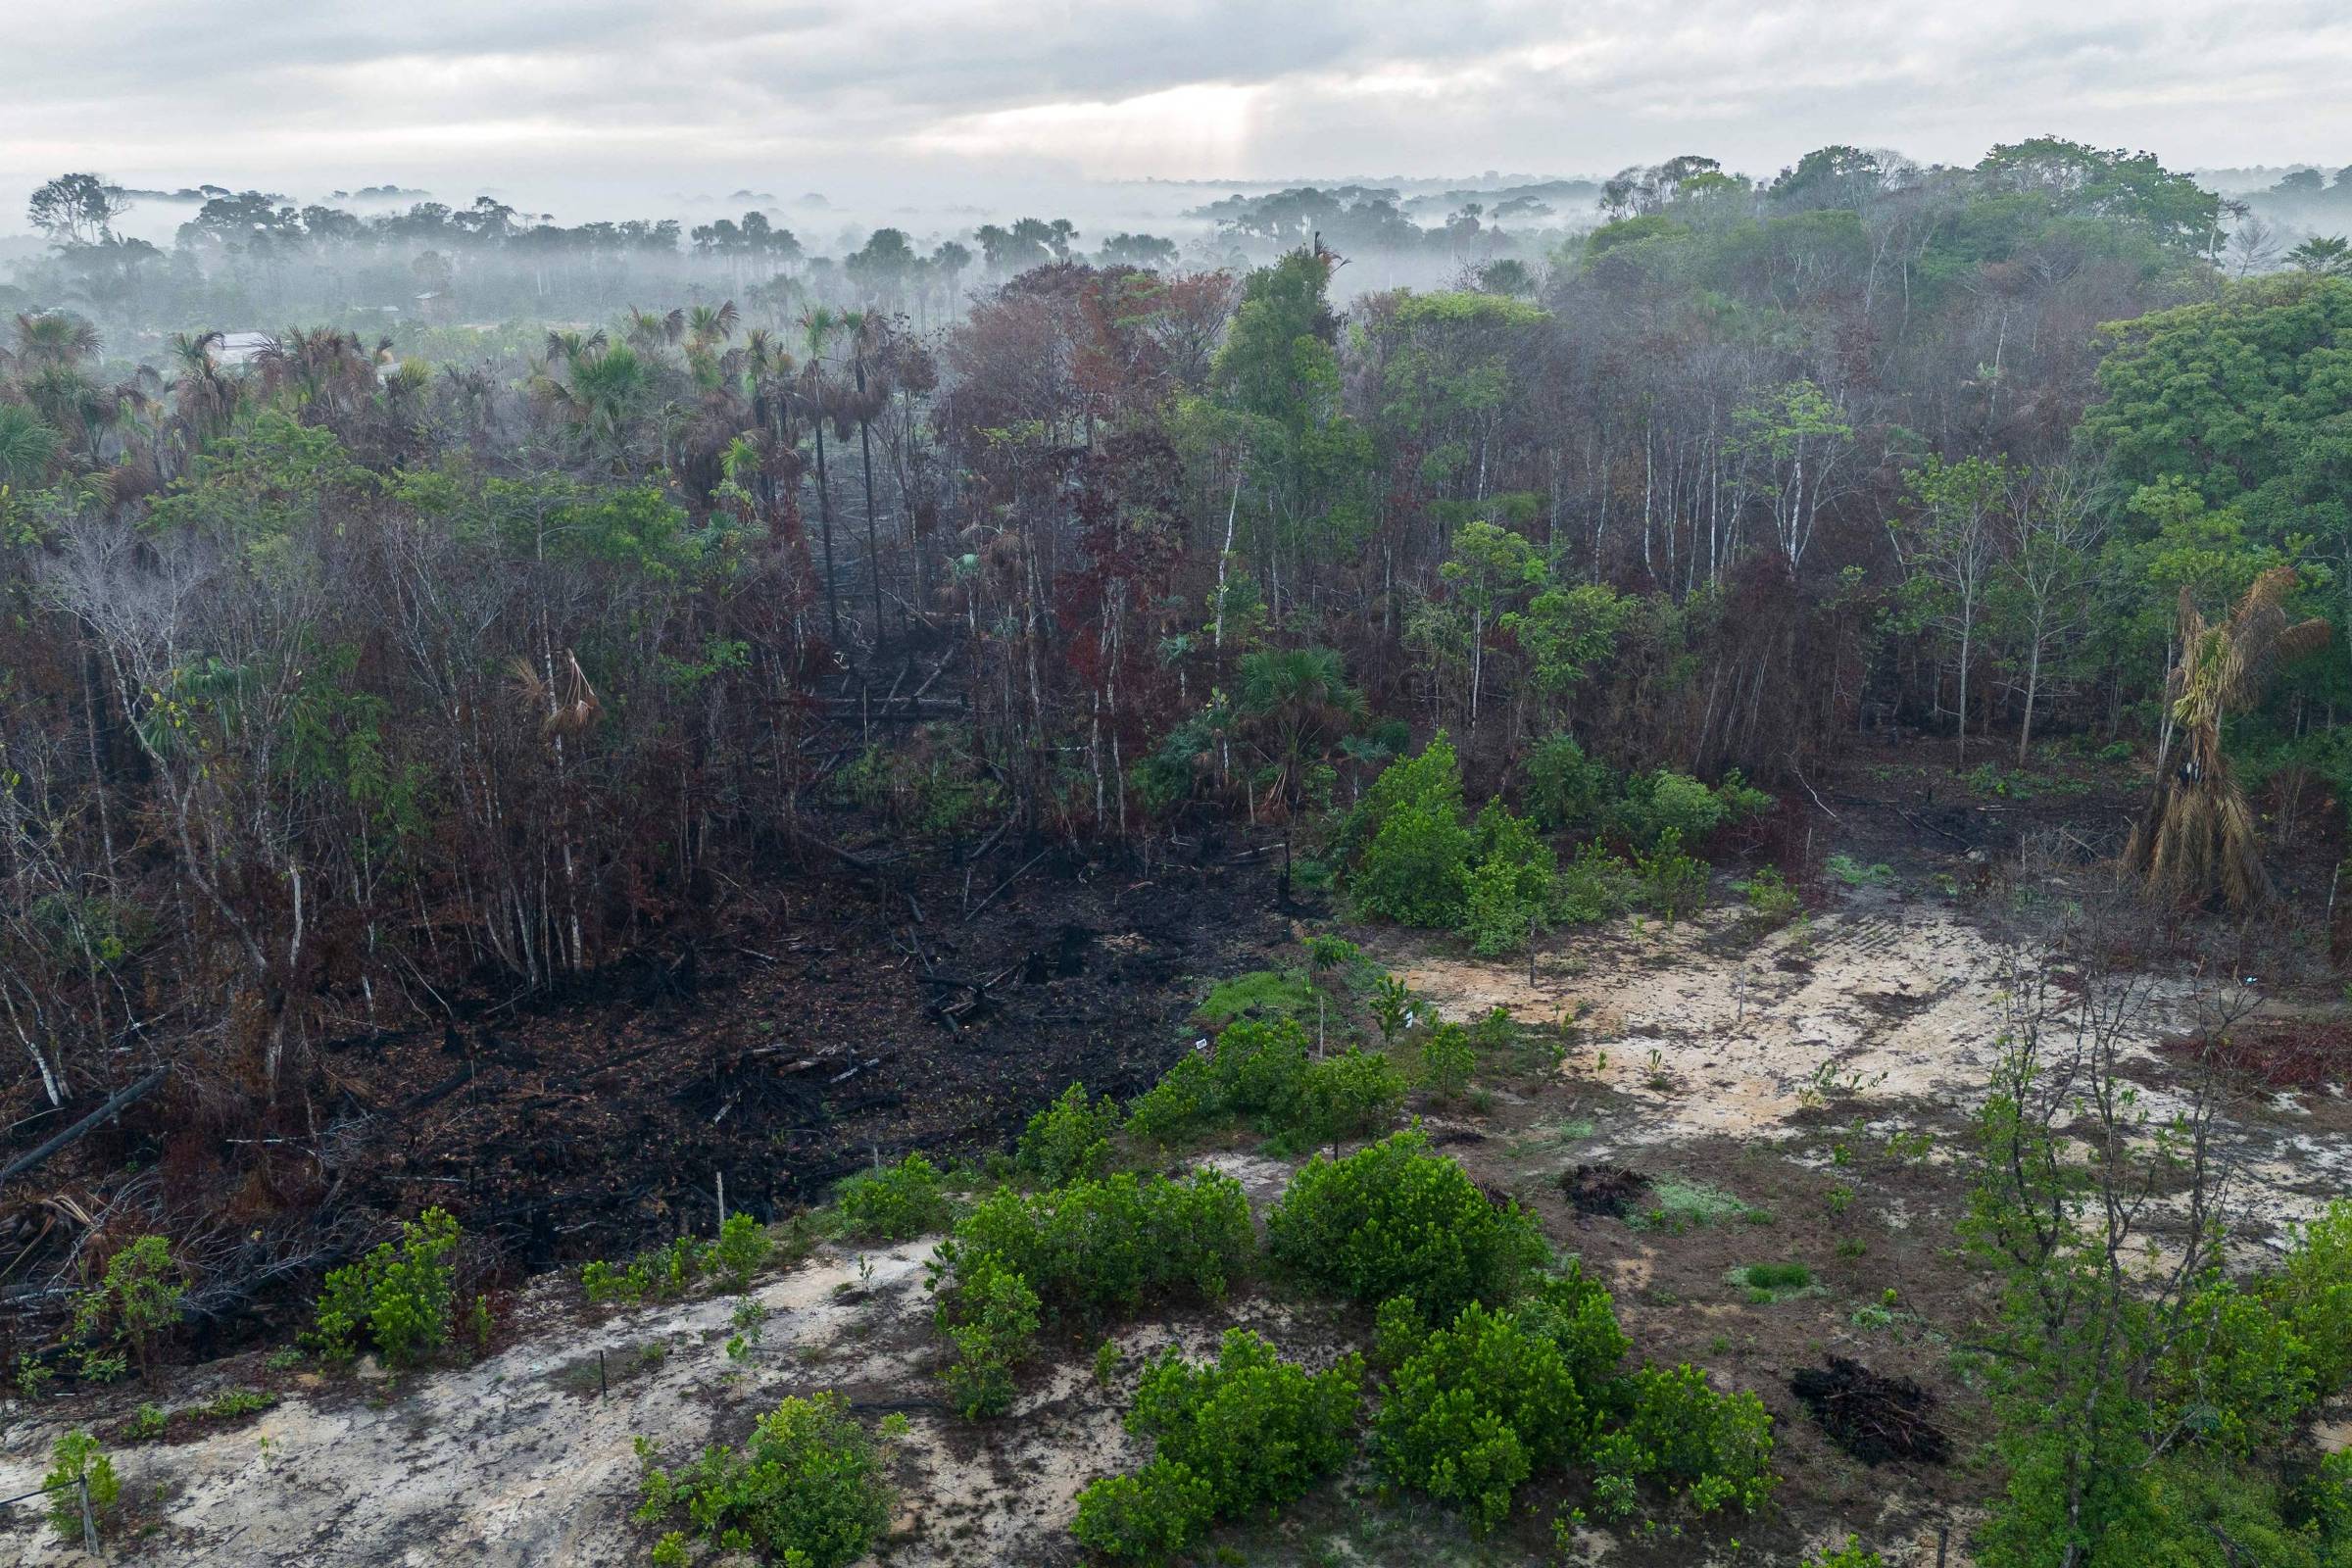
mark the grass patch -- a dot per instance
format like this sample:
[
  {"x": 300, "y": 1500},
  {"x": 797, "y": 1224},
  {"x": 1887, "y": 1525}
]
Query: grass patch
[
  {"x": 1262, "y": 994},
  {"x": 1766, "y": 1283},
  {"x": 1855, "y": 874},
  {"x": 1551, "y": 1137},
  {"x": 1678, "y": 1204}
]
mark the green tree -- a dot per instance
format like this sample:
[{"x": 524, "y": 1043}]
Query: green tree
[{"x": 1951, "y": 548}]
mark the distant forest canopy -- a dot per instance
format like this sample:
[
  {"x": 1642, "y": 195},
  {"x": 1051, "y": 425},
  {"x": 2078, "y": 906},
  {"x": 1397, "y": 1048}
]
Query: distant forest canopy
[
  {"x": 334, "y": 677},
  {"x": 391, "y": 260}
]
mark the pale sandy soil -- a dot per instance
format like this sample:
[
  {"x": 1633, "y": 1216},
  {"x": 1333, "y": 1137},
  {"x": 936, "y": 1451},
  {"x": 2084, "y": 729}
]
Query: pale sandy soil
[{"x": 1695, "y": 1035}]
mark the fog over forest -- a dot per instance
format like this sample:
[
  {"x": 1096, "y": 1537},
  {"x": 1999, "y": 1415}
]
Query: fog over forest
[{"x": 943, "y": 785}]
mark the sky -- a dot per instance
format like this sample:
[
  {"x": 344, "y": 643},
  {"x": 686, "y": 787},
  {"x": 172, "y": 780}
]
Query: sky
[{"x": 624, "y": 103}]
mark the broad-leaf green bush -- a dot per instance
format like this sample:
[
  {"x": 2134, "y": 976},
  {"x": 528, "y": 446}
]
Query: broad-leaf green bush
[
  {"x": 1099, "y": 1249},
  {"x": 1412, "y": 850},
  {"x": 1565, "y": 791},
  {"x": 991, "y": 1318},
  {"x": 894, "y": 1203},
  {"x": 1448, "y": 1060},
  {"x": 1246, "y": 1433},
  {"x": 398, "y": 1296},
  {"x": 1071, "y": 1138},
  {"x": 138, "y": 1300},
  {"x": 1259, "y": 1430},
  {"x": 1482, "y": 1405},
  {"x": 664, "y": 1273},
  {"x": 1187, "y": 1101},
  {"x": 76, "y": 1460},
  {"x": 1148, "y": 1517},
  {"x": 1395, "y": 1219},
  {"x": 807, "y": 1489},
  {"x": 1674, "y": 1430}
]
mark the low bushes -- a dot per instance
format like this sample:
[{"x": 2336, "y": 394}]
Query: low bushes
[
  {"x": 895, "y": 1202},
  {"x": 1711, "y": 1450},
  {"x": 1246, "y": 1433},
  {"x": 1099, "y": 1249},
  {"x": 805, "y": 1489},
  {"x": 135, "y": 1304},
  {"x": 992, "y": 1321},
  {"x": 1479, "y": 1407},
  {"x": 664, "y": 1273},
  {"x": 1495, "y": 882},
  {"x": 398, "y": 1296},
  {"x": 1071, "y": 1138},
  {"x": 1089, "y": 1250},
  {"x": 1263, "y": 1071},
  {"x": 76, "y": 1461},
  {"x": 1146, "y": 1517},
  {"x": 1395, "y": 1219}
]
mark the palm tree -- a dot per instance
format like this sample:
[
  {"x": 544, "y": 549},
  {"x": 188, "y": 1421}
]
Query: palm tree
[
  {"x": 817, "y": 327},
  {"x": 205, "y": 399},
  {"x": 27, "y": 445},
  {"x": 706, "y": 325},
  {"x": 54, "y": 337},
  {"x": 2197, "y": 839},
  {"x": 649, "y": 333},
  {"x": 1300, "y": 702},
  {"x": 600, "y": 397}
]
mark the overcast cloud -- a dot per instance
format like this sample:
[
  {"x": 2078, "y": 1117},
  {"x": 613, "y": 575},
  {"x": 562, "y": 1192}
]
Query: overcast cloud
[{"x": 631, "y": 96}]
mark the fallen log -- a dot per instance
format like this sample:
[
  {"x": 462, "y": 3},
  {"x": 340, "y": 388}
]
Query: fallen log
[{"x": 129, "y": 1094}]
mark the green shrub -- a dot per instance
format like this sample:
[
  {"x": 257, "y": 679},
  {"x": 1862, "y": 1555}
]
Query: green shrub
[
  {"x": 1351, "y": 1094},
  {"x": 1412, "y": 851},
  {"x": 1592, "y": 887},
  {"x": 740, "y": 1250},
  {"x": 1447, "y": 1058},
  {"x": 1565, "y": 791},
  {"x": 398, "y": 1295},
  {"x": 1395, "y": 1219},
  {"x": 992, "y": 1320},
  {"x": 1769, "y": 895},
  {"x": 1855, "y": 874},
  {"x": 1148, "y": 1517},
  {"x": 1071, "y": 1138},
  {"x": 2236, "y": 1369},
  {"x": 659, "y": 1274},
  {"x": 1853, "y": 1554},
  {"x": 1479, "y": 1408},
  {"x": 1259, "y": 1430},
  {"x": 1263, "y": 1069},
  {"x": 1103, "y": 1248},
  {"x": 894, "y": 1203},
  {"x": 807, "y": 1489},
  {"x": 1575, "y": 1313},
  {"x": 139, "y": 1300},
  {"x": 2312, "y": 1293},
  {"x": 1398, "y": 1332},
  {"x": 1392, "y": 1006},
  {"x": 1667, "y": 801},
  {"x": 1185, "y": 1101},
  {"x": 1674, "y": 883},
  {"x": 1259, "y": 1065},
  {"x": 77, "y": 1460},
  {"x": 148, "y": 1423},
  {"x": 1712, "y": 1449},
  {"x": 1505, "y": 900},
  {"x": 1776, "y": 1277}
]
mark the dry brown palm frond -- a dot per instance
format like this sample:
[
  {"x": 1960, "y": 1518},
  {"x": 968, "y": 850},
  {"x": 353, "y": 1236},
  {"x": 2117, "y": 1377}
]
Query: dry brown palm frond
[
  {"x": 576, "y": 706},
  {"x": 2197, "y": 841}
]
